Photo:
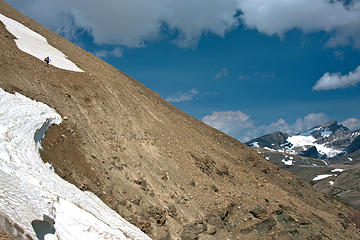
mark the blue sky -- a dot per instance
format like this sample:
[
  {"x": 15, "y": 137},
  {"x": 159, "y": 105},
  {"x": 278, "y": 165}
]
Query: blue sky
[{"x": 247, "y": 67}]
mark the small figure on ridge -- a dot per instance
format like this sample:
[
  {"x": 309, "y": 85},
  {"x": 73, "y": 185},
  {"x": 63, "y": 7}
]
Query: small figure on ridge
[{"x": 47, "y": 61}]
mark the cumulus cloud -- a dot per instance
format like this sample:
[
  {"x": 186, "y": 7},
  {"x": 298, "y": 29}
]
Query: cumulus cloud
[
  {"x": 239, "y": 125},
  {"x": 183, "y": 96},
  {"x": 133, "y": 23},
  {"x": 330, "y": 81},
  {"x": 234, "y": 123},
  {"x": 351, "y": 123},
  {"x": 301, "y": 124},
  {"x": 222, "y": 74},
  {"x": 116, "y": 52},
  {"x": 279, "y": 16}
]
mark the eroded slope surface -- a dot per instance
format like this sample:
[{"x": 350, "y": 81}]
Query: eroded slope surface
[
  {"x": 35, "y": 202},
  {"x": 166, "y": 172}
]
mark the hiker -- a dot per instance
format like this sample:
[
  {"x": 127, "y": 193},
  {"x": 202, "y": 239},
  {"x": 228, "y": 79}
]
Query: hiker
[{"x": 47, "y": 61}]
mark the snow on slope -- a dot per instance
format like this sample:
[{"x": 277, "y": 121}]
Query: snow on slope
[
  {"x": 255, "y": 144},
  {"x": 287, "y": 162},
  {"x": 34, "y": 201},
  {"x": 36, "y": 45},
  {"x": 303, "y": 140},
  {"x": 323, "y": 176}
]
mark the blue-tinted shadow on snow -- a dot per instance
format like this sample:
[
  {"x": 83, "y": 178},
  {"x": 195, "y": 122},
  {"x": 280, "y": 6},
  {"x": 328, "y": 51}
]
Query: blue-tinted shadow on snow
[
  {"x": 40, "y": 133},
  {"x": 44, "y": 227}
]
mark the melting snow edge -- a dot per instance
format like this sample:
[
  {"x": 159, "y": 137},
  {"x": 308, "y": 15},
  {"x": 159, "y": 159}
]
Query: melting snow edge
[{"x": 32, "y": 194}]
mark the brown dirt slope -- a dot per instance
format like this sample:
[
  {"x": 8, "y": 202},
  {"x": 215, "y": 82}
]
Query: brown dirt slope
[
  {"x": 166, "y": 172},
  {"x": 4, "y": 236}
]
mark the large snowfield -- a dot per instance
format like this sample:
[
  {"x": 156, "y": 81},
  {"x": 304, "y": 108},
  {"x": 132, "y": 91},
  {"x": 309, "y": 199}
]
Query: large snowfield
[
  {"x": 35, "y": 203},
  {"x": 36, "y": 45},
  {"x": 31, "y": 192},
  {"x": 308, "y": 140}
]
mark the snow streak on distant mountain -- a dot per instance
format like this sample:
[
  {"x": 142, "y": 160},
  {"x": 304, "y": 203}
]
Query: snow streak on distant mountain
[{"x": 324, "y": 141}]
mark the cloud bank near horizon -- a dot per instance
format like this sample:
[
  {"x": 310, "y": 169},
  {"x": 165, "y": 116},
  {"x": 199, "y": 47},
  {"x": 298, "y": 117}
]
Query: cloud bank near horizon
[
  {"x": 240, "y": 125},
  {"x": 134, "y": 23},
  {"x": 351, "y": 123}
]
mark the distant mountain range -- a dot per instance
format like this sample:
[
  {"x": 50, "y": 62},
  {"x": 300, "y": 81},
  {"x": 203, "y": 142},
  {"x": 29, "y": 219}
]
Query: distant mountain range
[
  {"x": 326, "y": 141},
  {"x": 327, "y": 156}
]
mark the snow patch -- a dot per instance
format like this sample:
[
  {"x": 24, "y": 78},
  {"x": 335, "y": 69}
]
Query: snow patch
[
  {"x": 287, "y": 162},
  {"x": 36, "y": 200},
  {"x": 255, "y": 144},
  {"x": 319, "y": 177},
  {"x": 270, "y": 149},
  {"x": 337, "y": 170},
  {"x": 355, "y": 134},
  {"x": 326, "y": 133},
  {"x": 329, "y": 152},
  {"x": 36, "y": 45},
  {"x": 350, "y": 159},
  {"x": 301, "y": 141},
  {"x": 331, "y": 183}
]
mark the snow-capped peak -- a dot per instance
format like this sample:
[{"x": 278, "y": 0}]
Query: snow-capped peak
[{"x": 324, "y": 141}]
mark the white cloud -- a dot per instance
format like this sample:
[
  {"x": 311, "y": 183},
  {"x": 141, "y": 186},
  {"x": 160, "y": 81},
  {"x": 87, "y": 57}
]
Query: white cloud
[
  {"x": 116, "y": 52},
  {"x": 279, "y": 16},
  {"x": 133, "y": 23},
  {"x": 240, "y": 125},
  {"x": 309, "y": 121},
  {"x": 183, "y": 97},
  {"x": 331, "y": 81},
  {"x": 351, "y": 123},
  {"x": 234, "y": 123},
  {"x": 222, "y": 74},
  {"x": 300, "y": 125}
]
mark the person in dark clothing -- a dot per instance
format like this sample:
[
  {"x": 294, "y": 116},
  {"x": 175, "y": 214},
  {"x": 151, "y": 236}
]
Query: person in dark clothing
[{"x": 47, "y": 61}]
